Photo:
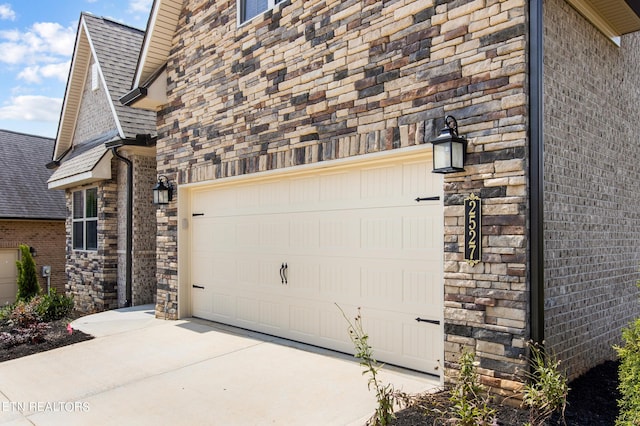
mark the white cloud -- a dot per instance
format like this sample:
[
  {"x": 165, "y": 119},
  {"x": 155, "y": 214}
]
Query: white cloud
[
  {"x": 44, "y": 42},
  {"x": 6, "y": 12},
  {"x": 32, "y": 108},
  {"x": 35, "y": 74},
  {"x": 140, "y": 5}
]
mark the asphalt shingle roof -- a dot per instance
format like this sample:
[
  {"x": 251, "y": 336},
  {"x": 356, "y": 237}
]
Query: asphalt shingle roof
[
  {"x": 23, "y": 178},
  {"x": 117, "y": 48}
]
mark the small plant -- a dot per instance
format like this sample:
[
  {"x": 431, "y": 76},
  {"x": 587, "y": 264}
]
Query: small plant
[
  {"x": 546, "y": 391},
  {"x": 629, "y": 376},
  {"x": 54, "y": 306},
  {"x": 26, "y": 313},
  {"x": 28, "y": 286},
  {"x": 387, "y": 396},
  {"x": 469, "y": 407}
]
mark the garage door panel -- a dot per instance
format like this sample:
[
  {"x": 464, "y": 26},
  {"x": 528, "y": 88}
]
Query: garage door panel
[
  {"x": 304, "y": 320},
  {"x": 303, "y": 277},
  {"x": 338, "y": 188},
  {"x": 421, "y": 342},
  {"x": 305, "y": 191},
  {"x": 305, "y": 232},
  {"x": 339, "y": 282},
  {"x": 355, "y": 237},
  {"x": 274, "y": 233},
  {"x": 421, "y": 293},
  {"x": 201, "y": 302},
  {"x": 339, "y": 233},
  {"x": 380, "y": 183},
  {"x": 415, "y": 181}
]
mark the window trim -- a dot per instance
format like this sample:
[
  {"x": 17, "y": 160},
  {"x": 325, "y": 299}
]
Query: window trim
[
  {"x": 240, "y": 7},
  {"x": 84, "y": 219}
]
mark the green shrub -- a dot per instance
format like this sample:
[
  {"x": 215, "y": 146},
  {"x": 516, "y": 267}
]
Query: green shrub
[
  {"x": 469, "y": 407},
  {"x": 28, "y": 286},
  {"x": 546, "y": 391},
  {"x": 54, "y": 306},
  {"x": 629, "y": 376}
]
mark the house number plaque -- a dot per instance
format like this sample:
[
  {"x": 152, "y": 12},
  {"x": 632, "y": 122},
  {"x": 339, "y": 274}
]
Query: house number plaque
[{"x": 472, "y": 229}]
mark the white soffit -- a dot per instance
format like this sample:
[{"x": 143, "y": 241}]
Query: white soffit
[
  {"x": 158, "y": 38},
  {"x": 612, "y": 17}
]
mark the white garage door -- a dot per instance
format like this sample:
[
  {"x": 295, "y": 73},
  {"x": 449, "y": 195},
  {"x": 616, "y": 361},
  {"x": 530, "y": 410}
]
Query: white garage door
[
  {"x": 8, "y": 275},
  {"x": 276, "y": 257}
]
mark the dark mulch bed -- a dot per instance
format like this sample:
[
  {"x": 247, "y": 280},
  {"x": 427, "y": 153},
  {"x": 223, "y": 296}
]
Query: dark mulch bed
[
  {"x": 55, "y": 336},
  {"x": 592, "y": 401}
]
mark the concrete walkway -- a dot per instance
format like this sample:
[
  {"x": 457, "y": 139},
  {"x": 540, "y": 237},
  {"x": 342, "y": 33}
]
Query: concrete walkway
[{"x": 140, "y": 370}]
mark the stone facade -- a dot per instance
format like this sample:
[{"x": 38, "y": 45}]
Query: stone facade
[
  {"x": 92, "y": 275},
  {"x": 591, "y": 187},
  {"x": 316, "y": 81},
  {"x": 47, "y": 238}
]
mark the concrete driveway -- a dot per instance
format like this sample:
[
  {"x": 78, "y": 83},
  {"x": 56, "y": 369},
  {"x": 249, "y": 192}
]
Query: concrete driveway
[{"x": 140, "y": 370}]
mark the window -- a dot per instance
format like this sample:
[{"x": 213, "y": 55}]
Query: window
[
  {"x": 85, "y": 219},
  {"x": 252, "y": 8}
]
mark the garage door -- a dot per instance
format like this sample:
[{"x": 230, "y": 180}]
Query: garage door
[
  {"x": 276, "y": 256},
  {"x": 8, "y": 276}
]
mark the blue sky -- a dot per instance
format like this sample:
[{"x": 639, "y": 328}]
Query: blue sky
[{"x": 36, "y": 45}]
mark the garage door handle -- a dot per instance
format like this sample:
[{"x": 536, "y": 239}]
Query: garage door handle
[
  {"x": 283, "y": 273},
  {"x": 197, "y": 286},
  {"x": 436, "y": 322}
]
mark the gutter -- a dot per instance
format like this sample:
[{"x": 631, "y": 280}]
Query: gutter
[{"x": 536, "y": 170}]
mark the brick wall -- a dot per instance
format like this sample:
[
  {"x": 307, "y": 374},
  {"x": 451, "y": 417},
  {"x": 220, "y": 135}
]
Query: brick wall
[
  {"x": 143, "y": 285},
  {"x": 92, "y": 275},
  {"x": 144, "y": 230},
  {"x": 48, "y": 238},
  {"x": 592, "y": 223},
  {"x": 314, "y": 81}
]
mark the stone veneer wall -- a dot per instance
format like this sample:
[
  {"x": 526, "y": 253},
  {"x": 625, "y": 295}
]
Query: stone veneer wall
[
  {"x": 47, "y": 237},
  {"x": 92, "y": 275},
  {"x": 592, "y": 222},
  {"x": 314, "y": 81}
]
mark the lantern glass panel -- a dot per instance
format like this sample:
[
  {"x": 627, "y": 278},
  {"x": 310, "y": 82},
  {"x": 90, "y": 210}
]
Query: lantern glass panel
[
  {"x": 442, "y": 155},
  {"x": 457, "y": 157}
]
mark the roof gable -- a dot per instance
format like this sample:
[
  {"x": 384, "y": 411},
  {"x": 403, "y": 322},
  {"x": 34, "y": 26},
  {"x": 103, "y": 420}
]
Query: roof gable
[
  {"x": 24, "y": 194},
  {"x": 114, "y": 47},
  {"x": 157, "y": 42}
]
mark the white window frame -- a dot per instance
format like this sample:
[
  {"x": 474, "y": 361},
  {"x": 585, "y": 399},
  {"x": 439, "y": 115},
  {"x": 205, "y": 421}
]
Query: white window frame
[
  {"x": 85, "y": 219},
  {"x": 240, "y": 7}
]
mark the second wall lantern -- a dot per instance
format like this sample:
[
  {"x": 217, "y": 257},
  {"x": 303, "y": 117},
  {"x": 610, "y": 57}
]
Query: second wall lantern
[{"x": 162, "y": 191}]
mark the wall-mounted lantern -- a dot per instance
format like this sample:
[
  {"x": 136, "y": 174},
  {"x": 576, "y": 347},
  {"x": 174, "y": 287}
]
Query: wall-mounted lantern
[
  {"x": 162, "y": 191},
  {"x": 449, "y": 149}
]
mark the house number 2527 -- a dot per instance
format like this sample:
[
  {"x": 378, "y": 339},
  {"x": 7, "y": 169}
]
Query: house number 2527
[{"x": 472, "y": 229}]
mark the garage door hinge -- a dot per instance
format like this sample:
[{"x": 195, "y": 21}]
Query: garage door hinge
[
  {"x": 197, "y": 214},
  {"x": 197, "y": 286},
  {"x": 436, "y": 198},
  {"x": 436, "y": 322}
]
